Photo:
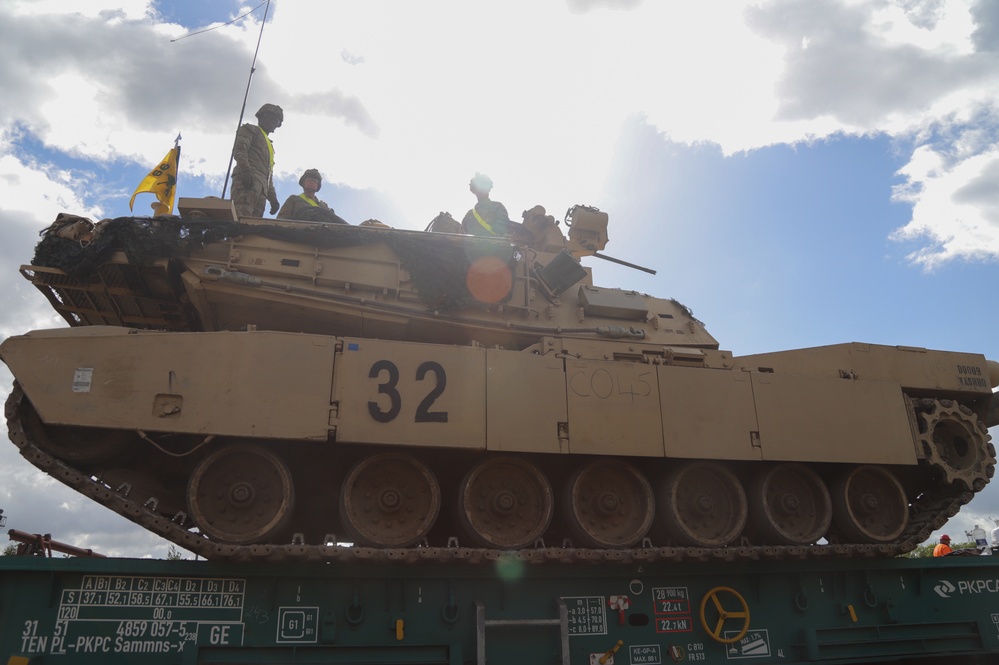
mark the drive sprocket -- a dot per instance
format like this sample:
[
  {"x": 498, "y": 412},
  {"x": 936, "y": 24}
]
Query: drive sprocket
[{"x": 955, "y": 442}]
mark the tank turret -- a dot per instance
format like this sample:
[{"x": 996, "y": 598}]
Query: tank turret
[{"x": 205, "y": 271}]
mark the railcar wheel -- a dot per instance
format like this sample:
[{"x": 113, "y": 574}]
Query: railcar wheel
[
  {"x": 869, "y": 505},
  {"x": 609, "y": 504},
  {"x": 702, "y": 504},
  {"x": 790, "y": 505},
  {"x": 241, "y": 494},
  {"x": 505, "y": 503},
  {"x": 389, "y": 500},
  {"x": 955, "y": 442}
]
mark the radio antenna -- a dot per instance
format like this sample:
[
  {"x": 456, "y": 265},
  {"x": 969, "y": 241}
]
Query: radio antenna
[{"x": 242, "y": 110}]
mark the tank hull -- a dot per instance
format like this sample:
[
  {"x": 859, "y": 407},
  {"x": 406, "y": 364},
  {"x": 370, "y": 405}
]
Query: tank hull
[
  {"x": 314, "y": 411},
  {"x": 272, "y": 385}
]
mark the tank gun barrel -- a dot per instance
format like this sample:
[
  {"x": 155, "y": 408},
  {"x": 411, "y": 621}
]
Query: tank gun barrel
[{"x": 624, "y": 263}]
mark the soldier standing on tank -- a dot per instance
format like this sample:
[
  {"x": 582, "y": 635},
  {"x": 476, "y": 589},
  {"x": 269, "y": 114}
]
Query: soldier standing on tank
[
  {"x": 253, "y": 175},
  {"x": 307, "y": 206},
  {"x": 487, "y": 217}
]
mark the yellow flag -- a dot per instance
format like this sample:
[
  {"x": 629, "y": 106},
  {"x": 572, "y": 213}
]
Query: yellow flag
[{"x": 161, "y": 181}]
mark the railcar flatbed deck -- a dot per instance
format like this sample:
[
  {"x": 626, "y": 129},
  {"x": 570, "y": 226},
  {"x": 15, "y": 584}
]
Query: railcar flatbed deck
[{"x": 185, "y": 612}]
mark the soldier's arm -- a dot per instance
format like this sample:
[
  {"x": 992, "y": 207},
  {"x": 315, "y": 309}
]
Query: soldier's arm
[
  {"x": 501, "y": 212},
  {"x": 241, "y": 149},
  {"x": 287, "y": 210},
  {"x": 272, "y": 195}
]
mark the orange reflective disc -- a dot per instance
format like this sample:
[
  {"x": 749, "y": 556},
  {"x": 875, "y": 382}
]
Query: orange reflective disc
[{"x": 489, "y": 279}]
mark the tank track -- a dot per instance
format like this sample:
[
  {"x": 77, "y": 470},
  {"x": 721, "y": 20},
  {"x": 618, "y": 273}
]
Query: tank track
[{"x": 930, "y": 513}]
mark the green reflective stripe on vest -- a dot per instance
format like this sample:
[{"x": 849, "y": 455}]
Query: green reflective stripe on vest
[
  {"x": 308, "y": 200},
  {"x": 481, "y": 221},
  {"x": 270, "y": 146}
]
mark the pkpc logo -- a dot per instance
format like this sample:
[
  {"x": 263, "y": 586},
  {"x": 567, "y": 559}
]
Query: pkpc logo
[{"x": 944, "y": 589}]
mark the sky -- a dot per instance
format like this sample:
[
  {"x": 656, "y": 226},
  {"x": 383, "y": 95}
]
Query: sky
[{"x": 797, "y": 173}]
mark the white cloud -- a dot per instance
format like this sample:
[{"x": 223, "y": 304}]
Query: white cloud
[
  {"x": 129, "y": 9},
  {"x": 955, "y": 207},
  {"x": 911, "y": 70},
  {"x": 931, "y": 25},
  {"x": 39, "y": 188},
  {"x": 533, "y": 93}
]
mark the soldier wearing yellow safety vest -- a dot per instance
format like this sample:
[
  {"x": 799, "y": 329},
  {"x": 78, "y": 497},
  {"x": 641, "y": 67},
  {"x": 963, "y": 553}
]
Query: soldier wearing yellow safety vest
[
  {"x": 307, "y": 206},
  {"x": 252, "y": 177},
  {"x": 486, "y": 218}
]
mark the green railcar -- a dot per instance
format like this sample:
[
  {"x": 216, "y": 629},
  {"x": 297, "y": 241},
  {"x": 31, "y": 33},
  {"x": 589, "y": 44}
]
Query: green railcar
[{"x": 500, "y": 611}]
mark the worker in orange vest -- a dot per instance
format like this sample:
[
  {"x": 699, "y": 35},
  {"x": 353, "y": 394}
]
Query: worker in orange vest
[{"x": 943, "y": 548}]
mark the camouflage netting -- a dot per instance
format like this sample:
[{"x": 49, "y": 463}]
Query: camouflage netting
[
  {"x": 320, "y": 215},
  {"x": 437, "y": 263},
  {"x": 143, "y": 239}
]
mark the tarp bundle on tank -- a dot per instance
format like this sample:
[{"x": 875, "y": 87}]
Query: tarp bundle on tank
[{"x": 437, "y": 263}]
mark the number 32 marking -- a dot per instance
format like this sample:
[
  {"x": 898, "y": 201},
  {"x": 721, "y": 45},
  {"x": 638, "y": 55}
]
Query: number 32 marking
[{"x": 390, "y": 388}]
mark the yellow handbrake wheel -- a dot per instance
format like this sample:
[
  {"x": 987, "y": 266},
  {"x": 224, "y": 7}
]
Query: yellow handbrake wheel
[{"x": 715, "y": 597}]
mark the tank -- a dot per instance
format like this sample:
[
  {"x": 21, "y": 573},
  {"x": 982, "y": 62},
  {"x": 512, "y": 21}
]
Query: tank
[{"x": 276, "y": 389}]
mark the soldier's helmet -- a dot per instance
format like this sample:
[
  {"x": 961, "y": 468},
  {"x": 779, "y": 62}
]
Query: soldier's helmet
[
  {"x": 311, "y": 173},
  {"x": 272, "y": 109},
  {"x": 481, "y": 182}
]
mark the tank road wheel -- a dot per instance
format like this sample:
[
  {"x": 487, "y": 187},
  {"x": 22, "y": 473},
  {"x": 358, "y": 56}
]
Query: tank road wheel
[
  {"x": 703, "y": 504},
  {"x": 505, "y": 503},
  {"x": 869, "y": 505},
  {"x": 389, "y": 500},
  {"x": 790, "y": 505},
  {"x": 955, "y": 442},
  {"x": 608, "y": 504},
  {"x": 241, "y": 494}
]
